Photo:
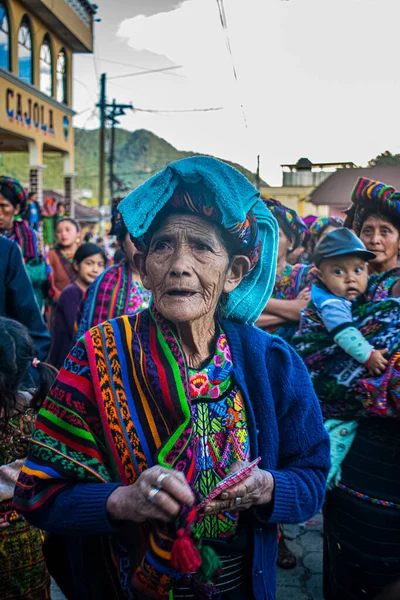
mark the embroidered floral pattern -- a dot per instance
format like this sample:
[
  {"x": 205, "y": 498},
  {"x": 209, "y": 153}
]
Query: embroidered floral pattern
[{"x": 220, "y": 429}]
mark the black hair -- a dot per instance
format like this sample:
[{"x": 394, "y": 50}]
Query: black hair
[
  {"x": 289, "y": 233},
  {"x": 60, "y": 203},
  {"x": 118, "y": 256},
  {"x": 122, "y": 232},
  {"x": 17, "y": 355},
  {"x": 88, "y": 249},
  {"x": 10, "y": 195},
  {"x": 70, "y": 220},
  {"x": 31, "y": 194}
]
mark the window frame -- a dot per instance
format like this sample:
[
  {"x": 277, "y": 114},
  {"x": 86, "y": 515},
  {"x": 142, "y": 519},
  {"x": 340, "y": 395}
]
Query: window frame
[
  {"x": 25, "y": 22},
  {"x": 46, "y": 42},
  {"x": 8, "y": 33},
  {"x": 64, "y": 99}
]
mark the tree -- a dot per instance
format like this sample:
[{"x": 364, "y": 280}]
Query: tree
[{"x": 386, "y": 159}]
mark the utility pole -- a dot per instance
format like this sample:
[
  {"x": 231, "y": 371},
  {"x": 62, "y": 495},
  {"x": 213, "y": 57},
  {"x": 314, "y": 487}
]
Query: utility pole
[
  {"x": 102, "y": 107},
  {"x": 112, "y": 150},
  {"x": 117, "y": 110}
]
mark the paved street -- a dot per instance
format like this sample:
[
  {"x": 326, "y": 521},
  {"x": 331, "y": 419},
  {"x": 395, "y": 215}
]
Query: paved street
[{"x": 305, "y": 581}]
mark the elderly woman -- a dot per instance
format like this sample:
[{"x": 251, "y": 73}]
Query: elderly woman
[
  {"x": 291, "y": 291},
  {"x": 375, "y": 217},
  {"x": 152, "y": 411}
]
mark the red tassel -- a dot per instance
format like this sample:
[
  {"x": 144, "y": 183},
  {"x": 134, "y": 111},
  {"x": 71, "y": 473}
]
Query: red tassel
[{"x": 185, "y": 556}]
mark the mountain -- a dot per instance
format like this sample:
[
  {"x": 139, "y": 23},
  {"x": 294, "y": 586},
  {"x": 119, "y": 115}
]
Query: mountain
[{"x": 138, "y": 155}]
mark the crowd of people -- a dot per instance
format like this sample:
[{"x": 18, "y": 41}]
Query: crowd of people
[{"x": 131, "y": 388}]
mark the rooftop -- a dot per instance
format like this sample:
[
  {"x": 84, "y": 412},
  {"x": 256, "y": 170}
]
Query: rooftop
[
  {"x": 336, "y": 189},
  {"x": 306, "y": 164},
  {"x": 70, "y": 19}
]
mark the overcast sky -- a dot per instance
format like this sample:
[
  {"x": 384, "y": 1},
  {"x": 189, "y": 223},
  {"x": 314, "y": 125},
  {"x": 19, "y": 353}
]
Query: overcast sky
[{"x": 315, "y": 78}]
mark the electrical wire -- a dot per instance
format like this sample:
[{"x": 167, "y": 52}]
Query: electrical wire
[
  {"x": 144, "y": 72},
  {"x": 178, "y": 110},
  {"x": 224, "y": 24},
  {"x": 124, "y": 64}
]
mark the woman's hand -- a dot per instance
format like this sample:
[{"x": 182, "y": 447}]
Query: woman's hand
[
  {"x": 158, "y": 494},
  {"x": 265, "y": 320},
  {"x": 304, "y": 295},
  {"x": 257, "y": 489}
]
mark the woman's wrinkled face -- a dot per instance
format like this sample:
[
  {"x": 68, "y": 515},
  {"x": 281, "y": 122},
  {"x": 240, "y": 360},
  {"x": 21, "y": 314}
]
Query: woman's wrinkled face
[
  {"x": 66, "y": 234},
  {"x": 381, "y": 237},
  {"x": 7, "y": 213},
  {"x": 187, "y": 268}
]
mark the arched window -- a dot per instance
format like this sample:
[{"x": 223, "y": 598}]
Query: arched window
[
  {"x": 46, "y": 68},
  {"x": 62, "y": 90},
  {"x": 4, "y": 38},
  {"x": 25, "y": 51}
]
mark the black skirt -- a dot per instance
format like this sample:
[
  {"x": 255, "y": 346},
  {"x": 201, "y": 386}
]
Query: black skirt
[{"x": 362, "y": 534}]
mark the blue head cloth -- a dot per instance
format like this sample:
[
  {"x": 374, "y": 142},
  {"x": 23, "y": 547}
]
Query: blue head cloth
[{"x": 235, "y": 197}]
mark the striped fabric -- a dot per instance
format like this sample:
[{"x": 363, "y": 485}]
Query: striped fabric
[
  {"x": 28, "y": 240},
  {"x": 111, "y": 296},
  {"x": 107, "y": 419},
  {"x": 371, "y": 196}
]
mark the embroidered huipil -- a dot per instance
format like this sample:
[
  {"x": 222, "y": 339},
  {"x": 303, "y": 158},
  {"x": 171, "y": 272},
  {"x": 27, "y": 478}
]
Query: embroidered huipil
[{"x": 220, "y": 430}]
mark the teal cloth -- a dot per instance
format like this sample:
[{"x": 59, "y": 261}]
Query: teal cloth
[
  {"x": 341, "y": 435},
  {"x": 235, "y": 197}
]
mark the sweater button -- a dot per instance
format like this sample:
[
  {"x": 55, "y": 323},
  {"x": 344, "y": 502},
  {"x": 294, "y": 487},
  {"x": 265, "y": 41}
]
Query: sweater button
[{"x": 258, "y": 572}]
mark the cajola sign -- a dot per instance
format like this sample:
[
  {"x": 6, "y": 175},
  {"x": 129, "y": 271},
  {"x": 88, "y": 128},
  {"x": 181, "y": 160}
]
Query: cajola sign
[{"x": 29, "y": 112}]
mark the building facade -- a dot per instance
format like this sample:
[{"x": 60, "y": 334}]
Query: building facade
[
  {"x": 299, "y": 181},
  {"x": 37, "y": 41}
]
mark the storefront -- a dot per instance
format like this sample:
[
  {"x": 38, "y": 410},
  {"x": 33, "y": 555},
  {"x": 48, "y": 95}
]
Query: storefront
[{"x": 37, "y": 42}]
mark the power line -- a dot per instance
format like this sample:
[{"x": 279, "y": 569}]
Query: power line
[
  {"x": 224, "y": 23},
  {"x": 145, "y": 72},
  {"x": 124, "y": 64},
  {"x": 178, "y": 110}
]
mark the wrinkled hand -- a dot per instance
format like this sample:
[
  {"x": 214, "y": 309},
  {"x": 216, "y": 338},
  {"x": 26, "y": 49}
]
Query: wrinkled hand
[
  {"x": 137, "y": 502},
  {"x": 257, "y": 489},
  {"x": 377, "y": 363}
]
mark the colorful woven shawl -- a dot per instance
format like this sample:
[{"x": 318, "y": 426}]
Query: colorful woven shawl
[
  {"x": 111, "y": 296},
  {"x": 124, "y": 388},
  {"x": 288, "y": 219},
  {"x": 27, "y": 239}
]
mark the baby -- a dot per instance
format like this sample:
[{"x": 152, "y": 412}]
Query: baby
[{"x": 342, "y": 269}]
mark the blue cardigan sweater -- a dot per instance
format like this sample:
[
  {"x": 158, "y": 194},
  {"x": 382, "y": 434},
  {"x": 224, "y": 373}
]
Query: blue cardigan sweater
[{"x": 286, "y": 430}]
